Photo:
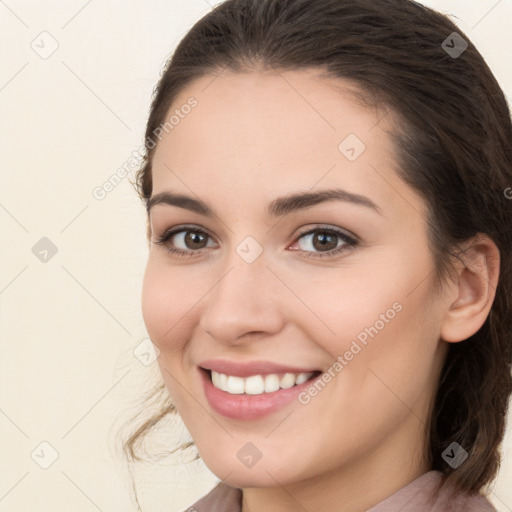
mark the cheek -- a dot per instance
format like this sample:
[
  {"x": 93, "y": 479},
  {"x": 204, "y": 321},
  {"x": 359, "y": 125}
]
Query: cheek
[
  {"x": 343, "y": 303},
  {"x": 373, "y": 314},
  {"x": 167, "y": 301},
  {"x": 167, "y": 309}
]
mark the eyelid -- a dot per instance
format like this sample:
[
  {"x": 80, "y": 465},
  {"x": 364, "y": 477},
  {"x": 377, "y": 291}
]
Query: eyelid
[
  {"x": 327, "y": 227},
  {"x": 303, "y": 231}
]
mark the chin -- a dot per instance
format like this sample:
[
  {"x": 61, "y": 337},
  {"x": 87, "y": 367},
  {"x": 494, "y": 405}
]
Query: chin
[
  {"x": 247, "y": 477},
  {"x": 262, "y": 473}
]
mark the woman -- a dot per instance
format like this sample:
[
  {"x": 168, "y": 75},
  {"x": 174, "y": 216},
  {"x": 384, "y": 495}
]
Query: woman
[{"x": 329, "y": 277}]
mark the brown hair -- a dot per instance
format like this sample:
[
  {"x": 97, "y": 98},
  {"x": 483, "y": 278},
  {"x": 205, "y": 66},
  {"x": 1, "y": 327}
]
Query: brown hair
[{"x": 453, "y": 146}]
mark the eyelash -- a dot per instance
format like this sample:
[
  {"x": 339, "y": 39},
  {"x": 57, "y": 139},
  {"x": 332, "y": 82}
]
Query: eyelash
[{"x": 350, "y": 243}]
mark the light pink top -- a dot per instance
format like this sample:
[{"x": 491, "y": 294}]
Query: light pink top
[{"x": 421, "y": 495}]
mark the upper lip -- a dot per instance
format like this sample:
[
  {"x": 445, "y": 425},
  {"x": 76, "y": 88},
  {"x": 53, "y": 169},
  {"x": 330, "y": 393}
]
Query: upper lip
[{"x": 248, "y": 368}]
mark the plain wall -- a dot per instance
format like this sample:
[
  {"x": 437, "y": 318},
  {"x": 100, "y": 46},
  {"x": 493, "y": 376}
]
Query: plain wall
[{"x": 69, "y": 325}]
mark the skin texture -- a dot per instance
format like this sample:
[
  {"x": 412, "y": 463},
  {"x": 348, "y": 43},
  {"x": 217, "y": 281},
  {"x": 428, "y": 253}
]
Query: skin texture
[{"x": 254, "y": 137}]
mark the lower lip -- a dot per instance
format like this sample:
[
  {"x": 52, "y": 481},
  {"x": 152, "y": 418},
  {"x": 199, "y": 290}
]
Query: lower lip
[{"x": 249, "y": 407}]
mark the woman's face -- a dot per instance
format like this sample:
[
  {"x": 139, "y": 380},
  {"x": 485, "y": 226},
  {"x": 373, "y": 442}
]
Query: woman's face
[{"x": 269, "y": 280}]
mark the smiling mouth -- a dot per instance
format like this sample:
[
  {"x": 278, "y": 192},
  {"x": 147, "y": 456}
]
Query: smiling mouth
[{"x": 259, "y": 384}]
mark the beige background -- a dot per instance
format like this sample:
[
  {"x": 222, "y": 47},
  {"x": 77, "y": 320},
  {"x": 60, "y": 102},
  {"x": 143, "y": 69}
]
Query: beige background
[{"x": 68, "y": 375}]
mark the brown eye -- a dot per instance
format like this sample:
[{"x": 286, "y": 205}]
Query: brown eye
[
  {"x": 195, "y": 240},
  {"x": 318, "y": 240},
  {"x": 325, "y": 242},
  {"x": 185, "y": 242}
]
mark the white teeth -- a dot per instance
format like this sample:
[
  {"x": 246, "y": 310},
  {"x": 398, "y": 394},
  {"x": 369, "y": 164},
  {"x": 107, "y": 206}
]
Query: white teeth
[
  {"x": 223, "y": 381},
  {"x": 235, "y": 385},
  {"x": 287, "y": 380},
  {"x": 254, "y": 385},
  {"x": 257, "y": 384},
  {"x": 271, "y": 383},
  {"x": 215, "y": 379},
  {"x": 302, "y": 377}
]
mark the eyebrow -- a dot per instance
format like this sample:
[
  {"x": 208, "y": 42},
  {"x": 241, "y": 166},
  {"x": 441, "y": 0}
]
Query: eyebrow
[{"x": 277, "y": 208}]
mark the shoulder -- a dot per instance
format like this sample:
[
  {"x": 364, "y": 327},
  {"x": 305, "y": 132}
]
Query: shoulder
[
  {"x": 447, "y": 499},
  {"x": 222, "y": 498},
  {"x": 432, "y": 493},
  {"x": 428, "y": 493}
]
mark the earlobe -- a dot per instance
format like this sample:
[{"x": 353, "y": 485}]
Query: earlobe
[{"x": 474, "y": 294}]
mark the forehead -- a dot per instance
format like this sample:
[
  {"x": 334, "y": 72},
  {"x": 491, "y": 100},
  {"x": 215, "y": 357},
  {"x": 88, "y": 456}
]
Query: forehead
[
  {"x": 274, "y": 130},
  {"x": 302, "y": 102}
]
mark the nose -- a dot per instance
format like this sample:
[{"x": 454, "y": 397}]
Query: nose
[{"x": 244, "y": 301}]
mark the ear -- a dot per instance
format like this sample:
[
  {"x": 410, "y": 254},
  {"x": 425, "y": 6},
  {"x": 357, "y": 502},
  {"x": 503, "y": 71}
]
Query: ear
[{"x": 472, "y": 298}]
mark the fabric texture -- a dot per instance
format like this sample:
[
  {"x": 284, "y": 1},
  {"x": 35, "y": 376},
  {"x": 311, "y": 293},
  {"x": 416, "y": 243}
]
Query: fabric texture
[{"x": 421, "y": 495}]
